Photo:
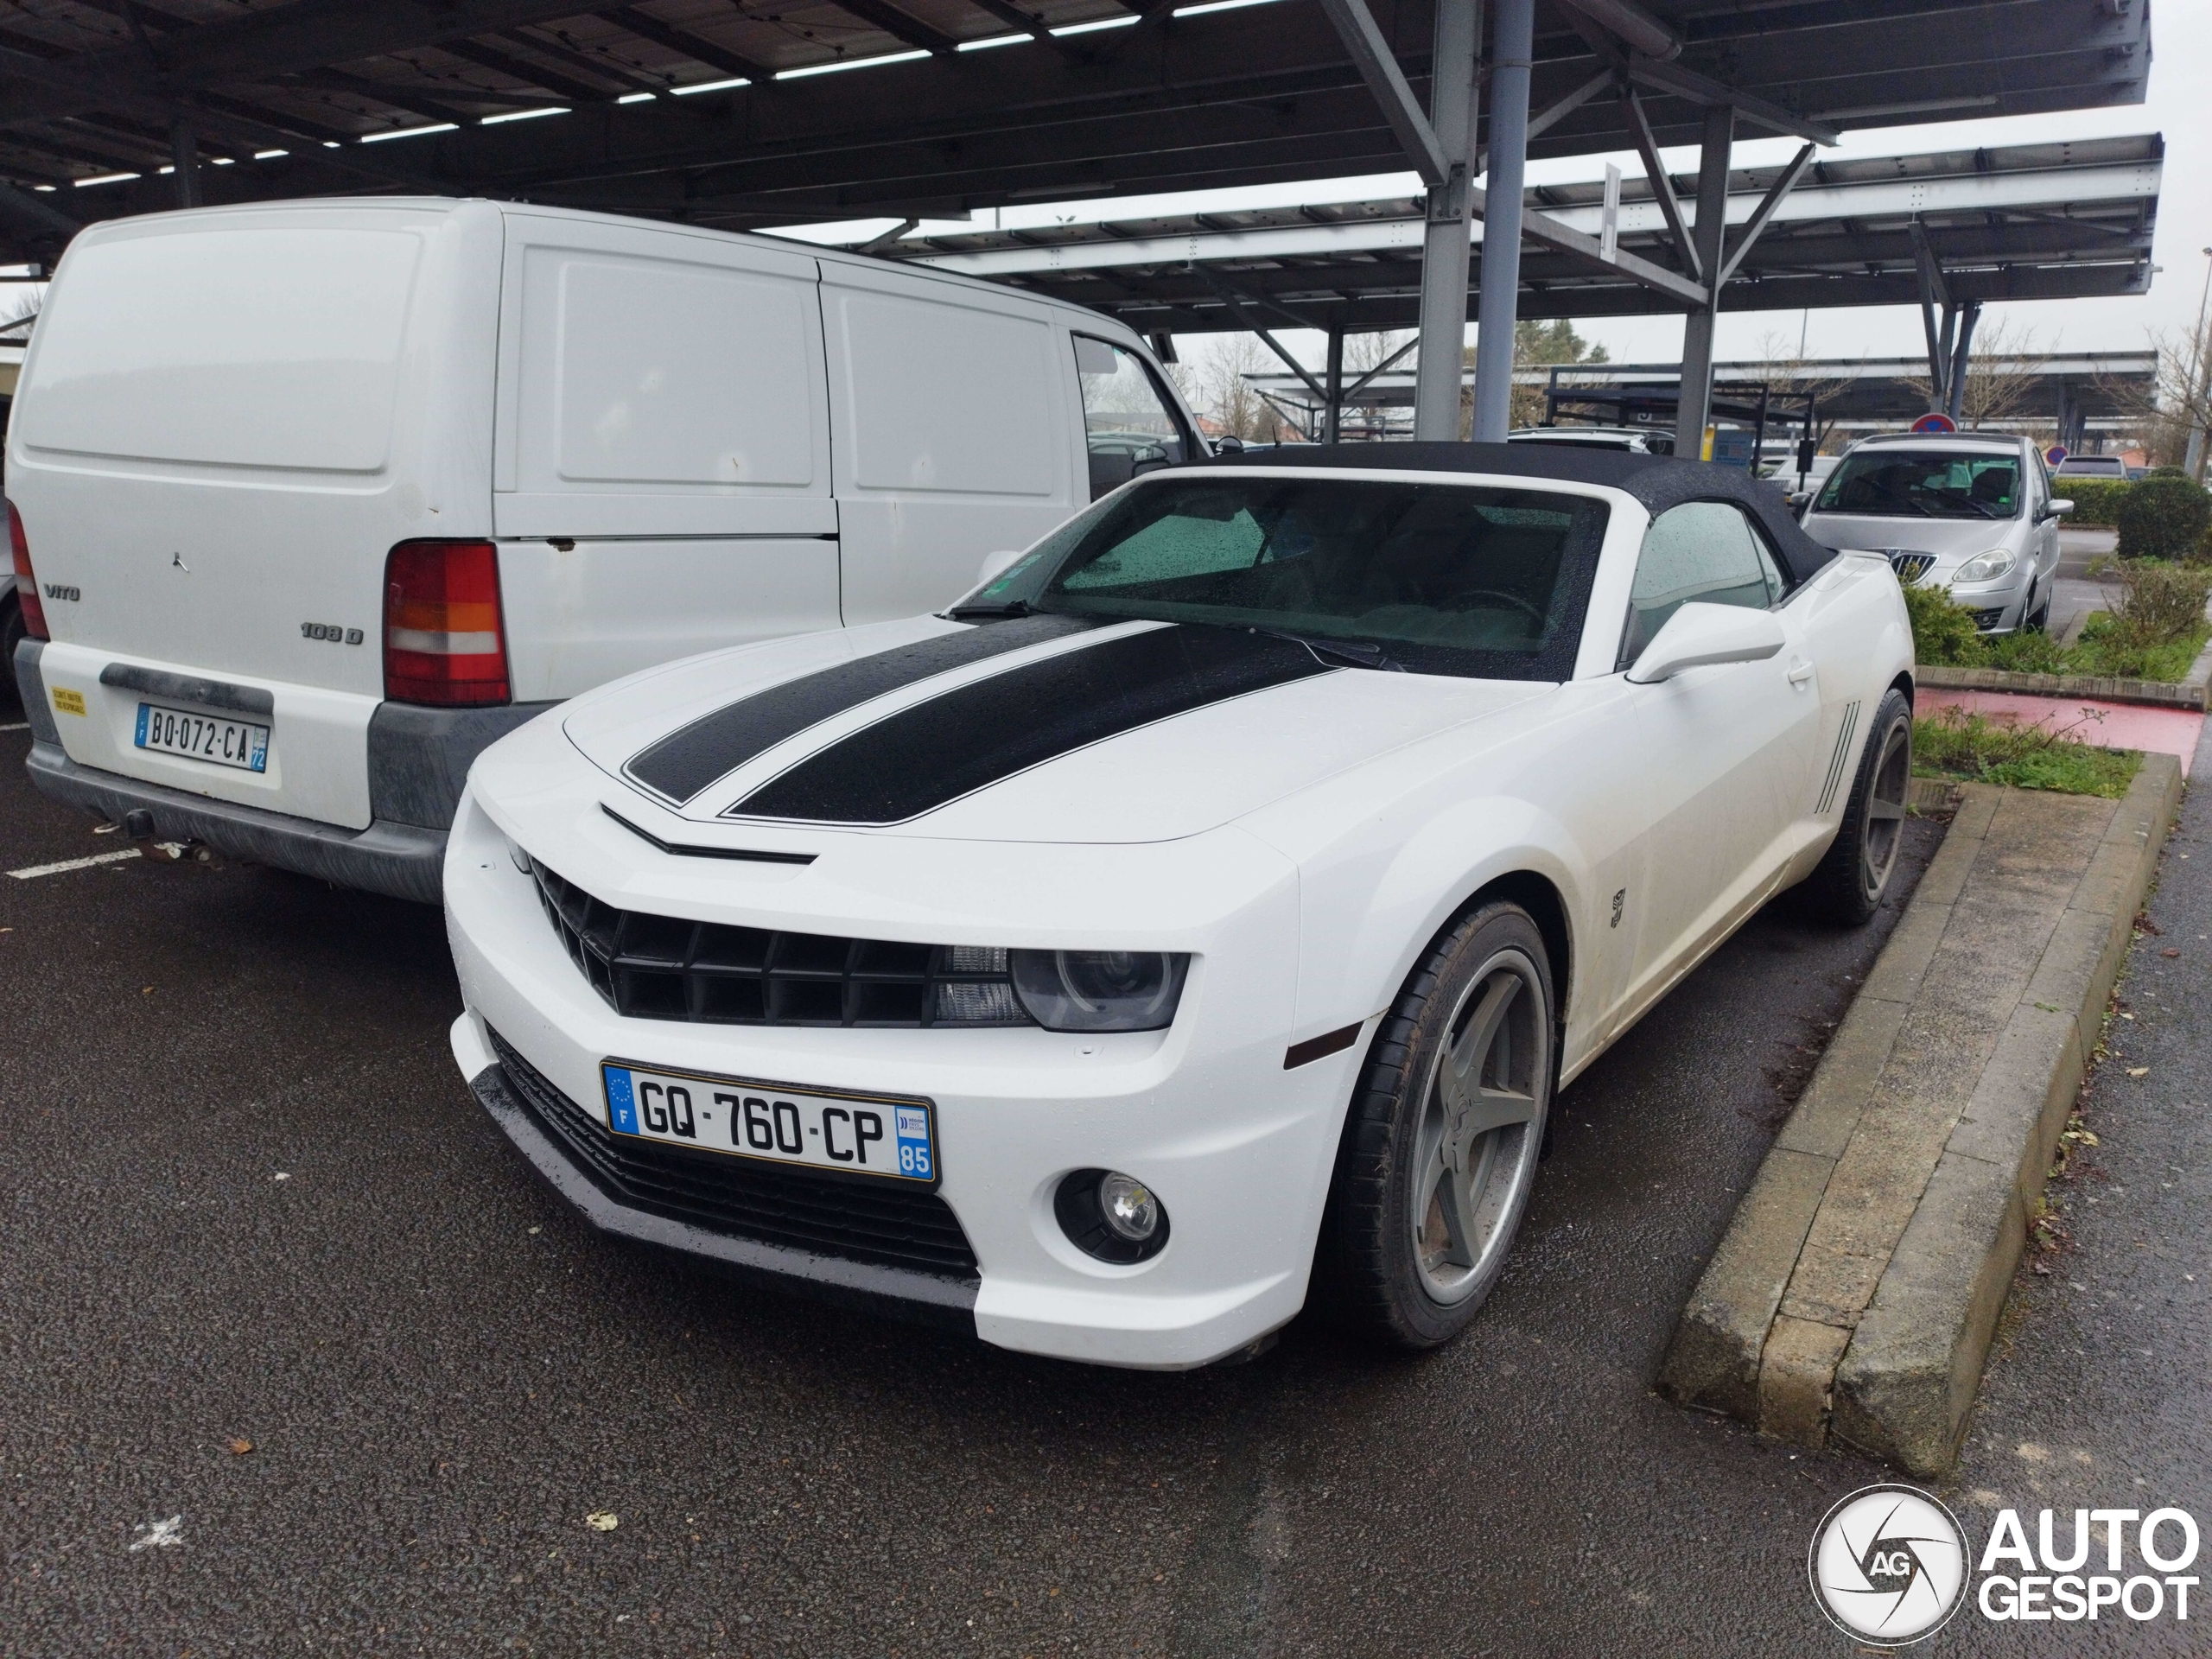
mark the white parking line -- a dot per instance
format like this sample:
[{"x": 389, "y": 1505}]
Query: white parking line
[{"x": 74, "y": 864}]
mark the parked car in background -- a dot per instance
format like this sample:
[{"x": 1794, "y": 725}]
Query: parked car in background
[
  {"x": 321, "y": 498},
  {"x": 1973, "y": 512},
  {"x": 1629, "y": 440},
  {"x": 2093, "y": 467},
  {"x": 1206, "y": 908}
]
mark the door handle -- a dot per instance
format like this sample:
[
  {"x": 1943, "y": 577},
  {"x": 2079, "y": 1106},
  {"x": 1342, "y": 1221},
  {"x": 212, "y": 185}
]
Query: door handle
[{"x": 1801, "y": 673}]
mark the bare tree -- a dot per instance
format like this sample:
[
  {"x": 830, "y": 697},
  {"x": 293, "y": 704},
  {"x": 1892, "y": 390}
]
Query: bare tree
[
  {"x": 2002, "y": 374},
  {"x": 1214, "y": 383},
  {"x": 2175, "y": 409},
  {"x": 1783, "y": 368}
]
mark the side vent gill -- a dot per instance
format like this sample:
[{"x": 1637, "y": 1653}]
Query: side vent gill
[{"x": 1839, "y": 760}]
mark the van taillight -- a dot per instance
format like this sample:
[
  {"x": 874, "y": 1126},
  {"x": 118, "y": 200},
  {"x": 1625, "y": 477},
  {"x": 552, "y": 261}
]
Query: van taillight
[
  {"x": 26, "y": 584},
  {"x": 443, "y": 641}
]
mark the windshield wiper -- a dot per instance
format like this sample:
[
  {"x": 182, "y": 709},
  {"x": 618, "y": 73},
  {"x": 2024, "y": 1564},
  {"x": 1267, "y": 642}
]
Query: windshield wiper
[
  {"x": 990, "y": 613},
  {"x": 1358, "y": 653}
]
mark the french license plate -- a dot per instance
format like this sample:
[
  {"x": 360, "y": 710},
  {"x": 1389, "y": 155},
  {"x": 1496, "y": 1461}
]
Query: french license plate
[
  {"x": 204, "y": 737},
  {"x": 861, "y": 1135}
]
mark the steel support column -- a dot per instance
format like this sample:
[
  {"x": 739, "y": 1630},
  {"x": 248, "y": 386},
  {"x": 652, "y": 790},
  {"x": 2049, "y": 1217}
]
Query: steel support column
[
  {"x": 184, "y": 155},
  {"x": 1955, "y": 400},
  {"x": 1708, "y": 233},
  {"x": 1445, "y": 248},
  {"x": 1332, "y": 410},
  {"x": 1511, "y": 59}
]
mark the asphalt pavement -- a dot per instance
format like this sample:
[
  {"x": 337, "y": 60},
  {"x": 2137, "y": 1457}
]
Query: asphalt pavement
[
  {"x": 294, "y": 1357},
  {"x": 2099, "y": 1393},
  {"x": 2076, "y": 595}
]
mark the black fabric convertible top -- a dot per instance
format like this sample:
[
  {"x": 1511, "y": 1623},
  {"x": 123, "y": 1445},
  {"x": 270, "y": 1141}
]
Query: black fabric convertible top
[{"x": 1658, "y": 481}]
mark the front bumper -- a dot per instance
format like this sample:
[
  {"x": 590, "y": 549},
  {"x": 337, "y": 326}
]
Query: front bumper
[
  {"x": 935, "y": 1298},
  {"x": 1239, "y": 1150}
]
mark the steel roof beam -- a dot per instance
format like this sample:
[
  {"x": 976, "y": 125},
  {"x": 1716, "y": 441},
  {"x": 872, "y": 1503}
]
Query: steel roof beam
[
  {"x": 900, "y": 25},
  {"x": 696, "y": 46},
  {"x": 1378, "y": 66},
  {"x": 1235, "y": 304},
  {"x": 605, "y": 67},
  {"x": 1663, "y": 187},
  {"x": 1631, "y": 25},
  {"x": 560, "y": 86},
  {"x": 1552, "y": 233},
  {"x": 1763, "y": 212},
  {"x": 1685, "y": 82}
]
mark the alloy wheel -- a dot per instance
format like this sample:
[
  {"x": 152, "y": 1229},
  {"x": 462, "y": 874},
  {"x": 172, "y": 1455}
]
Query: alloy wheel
[
  {"x": 1480, "y": 1129},
  {"x": 1885, "y": 805}
]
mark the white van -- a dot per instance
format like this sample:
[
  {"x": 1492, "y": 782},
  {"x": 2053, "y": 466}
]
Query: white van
[{"x": 312, "y": 501}]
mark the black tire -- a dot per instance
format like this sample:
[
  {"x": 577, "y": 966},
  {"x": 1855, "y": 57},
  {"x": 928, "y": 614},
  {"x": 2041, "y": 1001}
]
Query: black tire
[
  {"x": 11, "y": 634},
  {"x": 1416, "y": 1290},
  {"x": 1855, "y": 873}
]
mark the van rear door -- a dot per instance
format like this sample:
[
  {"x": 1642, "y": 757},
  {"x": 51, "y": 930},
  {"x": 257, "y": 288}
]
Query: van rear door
[
  {"x": 662, "y": 462},
  {"x": 226, "y": 419}
]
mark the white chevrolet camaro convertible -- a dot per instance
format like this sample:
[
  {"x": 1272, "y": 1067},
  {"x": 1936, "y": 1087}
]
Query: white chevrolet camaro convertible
[{"x": 1196, "y": 921}]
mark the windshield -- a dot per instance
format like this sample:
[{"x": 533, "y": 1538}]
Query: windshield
[
  {"x": 1923, "y": 484},
  {"x": 1439, "y": 578}
]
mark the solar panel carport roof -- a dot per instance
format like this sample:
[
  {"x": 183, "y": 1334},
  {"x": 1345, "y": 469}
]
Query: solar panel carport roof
[{"x": 1076, "y": 97}]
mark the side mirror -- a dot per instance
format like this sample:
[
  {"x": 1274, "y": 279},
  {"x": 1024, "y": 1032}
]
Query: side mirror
[
  {"x": 994, "y": 566},
  {"x": 1229, "y": 445},
  {"x": 1697, "y": 636},
  {"x": 2060, "y": 507}
]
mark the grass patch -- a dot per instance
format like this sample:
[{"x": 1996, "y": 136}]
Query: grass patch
[
  {"x": 2104, "y": 648},
  {"x": 1973, "y": 749}
]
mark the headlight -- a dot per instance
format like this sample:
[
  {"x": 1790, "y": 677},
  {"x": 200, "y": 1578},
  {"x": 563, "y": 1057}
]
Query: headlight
[
  {"x": 1099, "y": 990},
  {"x": 1984, "y": 567}
]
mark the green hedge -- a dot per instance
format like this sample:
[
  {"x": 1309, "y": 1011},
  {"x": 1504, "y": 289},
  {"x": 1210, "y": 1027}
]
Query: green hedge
[{"x": 2096, "y": 500}]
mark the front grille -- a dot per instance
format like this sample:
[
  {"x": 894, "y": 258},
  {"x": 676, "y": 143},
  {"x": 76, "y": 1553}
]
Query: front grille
[
  {"x": 890, "y": 1225},
  {"x": 1911, "y": 567},
  {"x": 665, "y": 968}
]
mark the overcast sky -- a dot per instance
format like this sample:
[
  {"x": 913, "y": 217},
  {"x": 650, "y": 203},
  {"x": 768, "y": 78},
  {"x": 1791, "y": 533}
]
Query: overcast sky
[{"x": 2179, "y": 106}]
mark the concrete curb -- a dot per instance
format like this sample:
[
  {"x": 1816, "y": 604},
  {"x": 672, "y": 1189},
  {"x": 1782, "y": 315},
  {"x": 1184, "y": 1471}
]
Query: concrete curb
[
  {"x": 1856, "y": 1290},
  {"x": 2193, "y": 691}
]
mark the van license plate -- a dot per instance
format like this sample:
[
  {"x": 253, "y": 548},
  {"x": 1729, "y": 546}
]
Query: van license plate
[
  {"x": 225, "y": 742},
  {"x": 859, "y": 1134}
]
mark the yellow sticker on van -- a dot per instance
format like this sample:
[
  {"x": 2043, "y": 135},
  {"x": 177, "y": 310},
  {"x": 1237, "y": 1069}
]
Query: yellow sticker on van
[{"x": 69, "y": 702}]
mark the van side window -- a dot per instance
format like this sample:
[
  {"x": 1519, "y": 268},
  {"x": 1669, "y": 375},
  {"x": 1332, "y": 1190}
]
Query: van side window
[
  {"x": 1129, "y": 423},
  {"x": 1701, "y": 550}
]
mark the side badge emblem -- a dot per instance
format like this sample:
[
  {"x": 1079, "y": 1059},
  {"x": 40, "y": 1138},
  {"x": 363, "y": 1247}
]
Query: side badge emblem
[{"x": 1619, "y": 898}]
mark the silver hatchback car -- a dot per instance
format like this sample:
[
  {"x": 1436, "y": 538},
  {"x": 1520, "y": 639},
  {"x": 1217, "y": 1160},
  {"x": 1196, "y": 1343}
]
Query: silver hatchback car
[{"x": 1973, "y": 512}]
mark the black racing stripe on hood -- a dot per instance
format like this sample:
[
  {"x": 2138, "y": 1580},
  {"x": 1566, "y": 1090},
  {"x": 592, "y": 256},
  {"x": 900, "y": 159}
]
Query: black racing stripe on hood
[
  {"x": 690, "y": 758},
  {"x": 922, "y": 757}
]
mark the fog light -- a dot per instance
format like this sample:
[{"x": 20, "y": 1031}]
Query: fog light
[
  {"x": 1129, "y": 1208},
  {"x": 1111, "y": 1215}
]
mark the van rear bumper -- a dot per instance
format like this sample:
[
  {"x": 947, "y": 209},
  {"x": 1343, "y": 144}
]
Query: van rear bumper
[
  {"x": 403, "y": 860},
  {"x": 417, "y": 765}
]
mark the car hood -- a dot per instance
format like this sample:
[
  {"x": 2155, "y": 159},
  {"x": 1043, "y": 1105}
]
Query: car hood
[
  {"x": 1952, "y": 541},
  {"x": 1043, "y": 729}
]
